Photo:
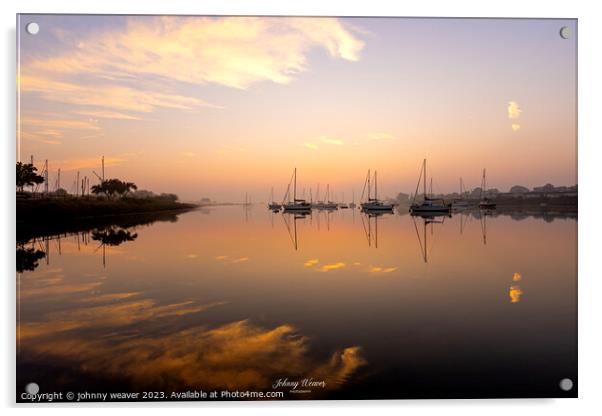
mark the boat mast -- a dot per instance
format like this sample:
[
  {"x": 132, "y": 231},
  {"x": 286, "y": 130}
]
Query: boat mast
[
  {"x": 483, "y": 184},
  {"x": 424, "y": 179},
  {"x": 369, "y": 192},
  {"x": 485, "y": 179},
  {"x": 375, "y": 187},
  {"x": 295, "y": 188},
  {"x": 431, "y": 188},
  {"x": 425, "y": 243}
]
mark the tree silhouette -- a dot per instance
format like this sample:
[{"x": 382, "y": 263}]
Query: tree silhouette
[
  {"x": 113, "y": 236},
  {"x": 27, "y": 258},
  {"x": 113, "y": 187},
  {"x": 27, "y": 175}
]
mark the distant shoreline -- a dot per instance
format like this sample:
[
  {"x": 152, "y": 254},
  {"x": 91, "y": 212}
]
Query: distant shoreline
[{"x": 43, "y": 210}]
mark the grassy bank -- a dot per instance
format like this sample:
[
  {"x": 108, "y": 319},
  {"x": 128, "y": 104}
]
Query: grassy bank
[{"x": 68, "y": 209}]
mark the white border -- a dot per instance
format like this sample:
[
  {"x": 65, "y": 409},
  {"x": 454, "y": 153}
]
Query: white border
[{"x": 590, "y": 136}]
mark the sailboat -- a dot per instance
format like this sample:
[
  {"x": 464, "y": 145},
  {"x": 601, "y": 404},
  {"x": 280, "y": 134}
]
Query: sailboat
[
  {"x": 461, "y": 202},
  {"x": 317, "y": 204},
  {"x": 274, "y": 206},
  {"x": 329, "y": 204},
  {"x": 296, "y": 205},
  {"x": 429, "y": 205},
  {"x": 485, "y": 203},
  {"x": 352, "y": 204},
  {"x": 374, "y": 204},
  {"x": 343, "y": 205}
]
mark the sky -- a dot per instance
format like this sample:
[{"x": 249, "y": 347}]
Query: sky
[{"x": 221, "y": 107}]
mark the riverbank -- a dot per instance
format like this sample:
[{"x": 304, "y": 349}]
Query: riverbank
[
  {"x": 47, "y": 210},
  {"x": 41, "y": 217}
]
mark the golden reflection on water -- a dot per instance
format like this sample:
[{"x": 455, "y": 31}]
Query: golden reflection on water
[
  {"x": 208, "y": 306},
  {"x": 238, "y": 355},
  {"x": 311, "y": 262},
  {"x": 515, "y": 293},
  {"x": 333, "y": 266}
]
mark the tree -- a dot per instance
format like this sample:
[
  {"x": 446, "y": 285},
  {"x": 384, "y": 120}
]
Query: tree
[
  {"x": 27, "y": 175},
  {"x": 169, "y": 197},
  {"x": 402, "y": 199},
  {"x": 113, "y": 187},
  {"x": 27, "y": 258},
  {"x": 518, "y": 189}
]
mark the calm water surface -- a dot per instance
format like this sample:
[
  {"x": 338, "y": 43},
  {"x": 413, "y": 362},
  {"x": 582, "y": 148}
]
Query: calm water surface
[{"x": 228, "y": 298}]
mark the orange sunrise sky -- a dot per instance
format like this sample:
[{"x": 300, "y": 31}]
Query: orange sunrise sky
[{"x": 222, "y": 106}]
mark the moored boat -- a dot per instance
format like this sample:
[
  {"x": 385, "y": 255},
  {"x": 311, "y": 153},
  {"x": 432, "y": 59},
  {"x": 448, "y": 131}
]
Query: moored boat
[
  {"x": 428, "y": 204},
  {"x": 485, "y": 202},
  {"x": 374, "y": 204},
  {"x": 274, "y": 206},
  {"x": 462, "y": 202},
  {"x": 296, "y": 205}
]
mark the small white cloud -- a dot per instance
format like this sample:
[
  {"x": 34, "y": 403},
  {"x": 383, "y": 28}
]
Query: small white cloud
[{"x": 513, "y": 109}]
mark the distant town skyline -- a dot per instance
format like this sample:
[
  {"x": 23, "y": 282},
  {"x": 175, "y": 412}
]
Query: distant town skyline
[{"x": 222, "y": 106}]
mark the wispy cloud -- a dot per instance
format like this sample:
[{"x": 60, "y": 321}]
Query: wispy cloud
[
  {"x": 51, "y": 129},
  {"x": 323, "y": 140},
  {"x": 87, "y": 163},
  {"x": 125, "y": 72},
  {"x": 231, "y": 51},
  {"x": 108, "y": 96},
  {"x": 53, "y": 125},
  {"x": 107, "y": 114},
  {"x": 331, "y": 140},
  {"x": 46, "y": 137},
  {"x": 381, "y": 136}
]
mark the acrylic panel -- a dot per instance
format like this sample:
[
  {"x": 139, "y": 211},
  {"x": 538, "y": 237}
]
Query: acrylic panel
[{"x": 295, "y": 208}]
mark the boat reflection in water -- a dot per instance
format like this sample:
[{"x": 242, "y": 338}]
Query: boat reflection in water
[
  {"x": 427, "y": 219},
  {"x": 369, "y": 217},
  {"x": 290, "y": 221}
]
